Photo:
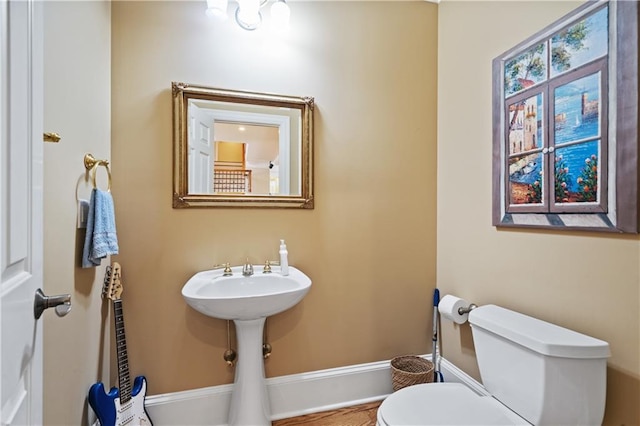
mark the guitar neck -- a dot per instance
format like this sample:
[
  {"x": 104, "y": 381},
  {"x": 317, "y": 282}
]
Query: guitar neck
[{"x": 124, "y": 382}]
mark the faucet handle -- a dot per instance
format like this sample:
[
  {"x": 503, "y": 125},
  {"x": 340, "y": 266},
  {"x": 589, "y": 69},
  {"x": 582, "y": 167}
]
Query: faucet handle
[
  {"x": 267, "y": 266},
  {"x": 227, "y": 269}
]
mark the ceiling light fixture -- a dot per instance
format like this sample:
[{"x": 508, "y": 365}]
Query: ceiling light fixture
[{"x": 248, "y": 15}]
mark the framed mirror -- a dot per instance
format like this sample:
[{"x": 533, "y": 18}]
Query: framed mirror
[{"x": 241, "y": 149}]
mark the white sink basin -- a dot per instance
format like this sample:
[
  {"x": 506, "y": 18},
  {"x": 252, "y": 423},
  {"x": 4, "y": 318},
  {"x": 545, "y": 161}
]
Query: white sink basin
[{"x": 242, "y": 298}]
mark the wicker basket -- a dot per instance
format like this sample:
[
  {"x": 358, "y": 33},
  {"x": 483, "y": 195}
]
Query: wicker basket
[{"x": 410, "y": 370}]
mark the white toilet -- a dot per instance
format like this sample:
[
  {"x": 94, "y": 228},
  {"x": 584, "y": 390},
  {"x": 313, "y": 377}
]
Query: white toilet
[{"x": 536, "y": 372}]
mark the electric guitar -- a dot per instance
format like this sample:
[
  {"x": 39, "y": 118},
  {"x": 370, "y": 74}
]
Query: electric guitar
[{"x": 126, "y": 405}]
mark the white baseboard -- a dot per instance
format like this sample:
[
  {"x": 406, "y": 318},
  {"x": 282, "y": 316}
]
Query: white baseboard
[{"x": 292, "y": 395}]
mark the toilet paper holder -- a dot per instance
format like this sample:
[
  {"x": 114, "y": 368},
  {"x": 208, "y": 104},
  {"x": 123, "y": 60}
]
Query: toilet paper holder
[{"x": 463, "y": 311}]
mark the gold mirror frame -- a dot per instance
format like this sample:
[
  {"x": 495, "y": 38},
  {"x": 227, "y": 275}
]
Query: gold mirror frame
[{"x": 182, "y": 93}]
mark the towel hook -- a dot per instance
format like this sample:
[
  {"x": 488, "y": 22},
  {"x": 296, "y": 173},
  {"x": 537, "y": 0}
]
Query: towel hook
[{"x": 91, "y": 164}]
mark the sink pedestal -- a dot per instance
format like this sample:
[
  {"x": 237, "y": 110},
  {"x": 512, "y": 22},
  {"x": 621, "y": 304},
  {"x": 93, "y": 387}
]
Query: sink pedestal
[{"x": 249, "y": 400}]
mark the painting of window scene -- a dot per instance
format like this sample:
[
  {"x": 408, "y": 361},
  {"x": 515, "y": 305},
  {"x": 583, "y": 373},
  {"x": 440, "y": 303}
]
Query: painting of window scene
[
  {"x": 567, "y": 66},
  {"x": 526, "y": 69},
  {"x": 526, "y": 140},
  {"x": 577, "y": 132},
  {"x": 581, "y": 43},
  {"x": 566, "y": 123}
]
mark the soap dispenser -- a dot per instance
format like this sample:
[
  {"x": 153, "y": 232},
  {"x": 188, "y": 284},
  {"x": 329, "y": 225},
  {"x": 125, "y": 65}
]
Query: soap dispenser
[{"x": 284, "y": 259}]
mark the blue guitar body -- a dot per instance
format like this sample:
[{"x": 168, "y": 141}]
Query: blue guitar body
[{"x": 111, "y": 412}]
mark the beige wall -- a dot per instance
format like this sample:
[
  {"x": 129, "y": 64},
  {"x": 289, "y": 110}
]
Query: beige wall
[
  {"x": 369, "y": 245},
  {"x": 587, "y": 282},
  {"x": 77, "y": 92}
]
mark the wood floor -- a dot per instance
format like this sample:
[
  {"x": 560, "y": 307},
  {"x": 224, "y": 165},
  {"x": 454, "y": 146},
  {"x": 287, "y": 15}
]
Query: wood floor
[{"x": 358, "y": 415}]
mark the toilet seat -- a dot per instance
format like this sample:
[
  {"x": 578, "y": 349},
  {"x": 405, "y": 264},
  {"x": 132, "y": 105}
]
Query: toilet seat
[{"x": 444, "y": 404}]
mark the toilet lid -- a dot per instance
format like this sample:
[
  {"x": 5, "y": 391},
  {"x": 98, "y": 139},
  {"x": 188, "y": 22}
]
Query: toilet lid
[{"x": 444, "y": 404}]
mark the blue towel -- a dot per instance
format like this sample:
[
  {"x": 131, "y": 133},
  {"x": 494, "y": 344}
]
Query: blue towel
[{"x": 101, "y": 239}]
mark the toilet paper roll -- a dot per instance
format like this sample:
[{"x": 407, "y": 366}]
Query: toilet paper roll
[{"x": 448, "y": 308}]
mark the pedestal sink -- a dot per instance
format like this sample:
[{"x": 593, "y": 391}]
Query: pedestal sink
[{"x": 248, "y": 301}]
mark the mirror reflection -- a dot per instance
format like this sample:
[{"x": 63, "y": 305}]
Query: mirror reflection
[{"x": 244, "y": 148}]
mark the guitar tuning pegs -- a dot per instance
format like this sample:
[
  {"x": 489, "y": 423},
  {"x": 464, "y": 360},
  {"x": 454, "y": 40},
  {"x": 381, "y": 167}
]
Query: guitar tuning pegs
[{"x": 107, "y": 278}]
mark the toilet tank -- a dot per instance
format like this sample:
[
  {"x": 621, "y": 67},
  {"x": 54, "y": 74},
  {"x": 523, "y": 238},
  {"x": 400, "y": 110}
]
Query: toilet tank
[{"x": 547, "y": 374}]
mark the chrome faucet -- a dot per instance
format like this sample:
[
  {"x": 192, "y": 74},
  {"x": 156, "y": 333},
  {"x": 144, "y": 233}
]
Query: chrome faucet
[{"x": 247, "y": 269}]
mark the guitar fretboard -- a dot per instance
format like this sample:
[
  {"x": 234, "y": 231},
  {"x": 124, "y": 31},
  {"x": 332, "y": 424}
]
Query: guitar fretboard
[{"x": 124, "y": 383}]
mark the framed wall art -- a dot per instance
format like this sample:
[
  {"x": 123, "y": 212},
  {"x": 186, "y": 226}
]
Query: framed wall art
[{"x": 565, "y": 124}]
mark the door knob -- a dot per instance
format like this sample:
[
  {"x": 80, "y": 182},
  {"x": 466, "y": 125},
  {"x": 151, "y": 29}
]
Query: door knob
[{"x": 61, "y": 302}]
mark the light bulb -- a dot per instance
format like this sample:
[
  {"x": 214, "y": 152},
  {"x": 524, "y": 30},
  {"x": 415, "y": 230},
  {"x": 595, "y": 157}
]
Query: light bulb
[
  {"x": 248, "y": 14},
  {"x": 280, "y": 14},
  {"x": 217, "y": 8},
  {"x": 249, "y": 7}
]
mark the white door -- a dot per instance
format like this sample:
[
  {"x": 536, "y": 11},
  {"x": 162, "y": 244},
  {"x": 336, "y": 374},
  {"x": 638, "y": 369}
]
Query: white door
[
  {"x": 200, "y": 151},
  {"x": 21, "y": 211}
]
